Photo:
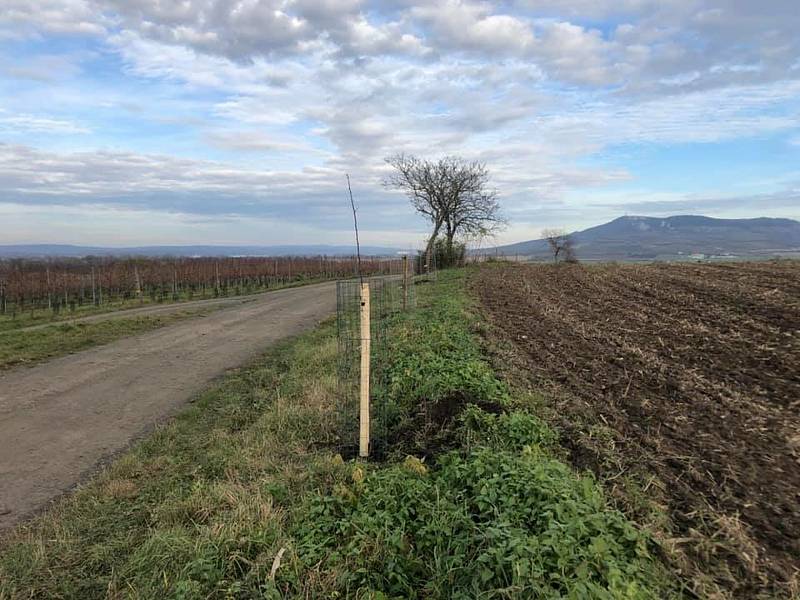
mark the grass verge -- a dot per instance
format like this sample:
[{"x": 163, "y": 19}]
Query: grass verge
[
  {"x": 240, "y": 497},
  {"x": 30, "y": 347}
]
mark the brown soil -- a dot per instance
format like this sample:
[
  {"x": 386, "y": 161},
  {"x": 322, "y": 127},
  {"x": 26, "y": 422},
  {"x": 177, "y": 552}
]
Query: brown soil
[{"x": 686, "y": 377}]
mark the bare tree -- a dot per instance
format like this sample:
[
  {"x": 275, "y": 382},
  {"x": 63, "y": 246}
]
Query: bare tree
[
  {"x": 452, "y": 193},
  {"x": 561, "y": 244}
]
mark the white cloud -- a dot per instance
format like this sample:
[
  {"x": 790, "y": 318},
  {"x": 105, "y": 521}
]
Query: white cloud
[
  {"x": 260, "y": 142},
  {"x": 702, "y": 116},
  {"x": 575, "y": 54},
  {"x": 466, "y": 25},
  {"x": 24, "y": 123},
  {"x": 73, "y": 17},
  {"x": 44, "y": 68},
  {"x": 122, "y": 226},
  {"x": 157, "y": 182},
  {"x": 235, "y": 29},
  {"x": 684, "y": 43}
]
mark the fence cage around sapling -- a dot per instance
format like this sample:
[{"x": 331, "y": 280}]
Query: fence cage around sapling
[{"x": 389, "y": 296}]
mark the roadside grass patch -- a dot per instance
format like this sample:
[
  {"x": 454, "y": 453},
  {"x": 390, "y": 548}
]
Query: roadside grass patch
[{"x": 30, "y": 347}]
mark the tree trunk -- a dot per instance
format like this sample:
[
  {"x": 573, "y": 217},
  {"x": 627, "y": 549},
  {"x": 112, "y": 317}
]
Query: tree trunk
[
  {"x": 429, "y": 247},
  {"x": 449, "y": 248}
]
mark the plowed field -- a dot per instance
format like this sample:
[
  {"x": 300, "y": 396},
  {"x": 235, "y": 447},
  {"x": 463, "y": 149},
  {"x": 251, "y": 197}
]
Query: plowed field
[{"x": 685, "y": 378}]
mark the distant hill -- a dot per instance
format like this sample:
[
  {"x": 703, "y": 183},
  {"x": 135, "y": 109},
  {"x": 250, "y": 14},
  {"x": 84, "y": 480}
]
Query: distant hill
[
  {"x": 45, "y": 250},
  {"x": 674, "y": 237}
]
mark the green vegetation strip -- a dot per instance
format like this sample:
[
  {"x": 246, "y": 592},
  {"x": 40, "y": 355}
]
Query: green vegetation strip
[
  {"x": 30, "y": 347},
  {"x": 240, "y": 497}
]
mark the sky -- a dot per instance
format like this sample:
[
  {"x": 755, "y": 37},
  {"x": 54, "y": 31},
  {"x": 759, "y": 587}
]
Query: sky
[{"x": 132, "y": 122}]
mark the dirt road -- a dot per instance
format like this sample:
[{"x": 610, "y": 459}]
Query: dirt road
[{"x": 59, "y": 420}]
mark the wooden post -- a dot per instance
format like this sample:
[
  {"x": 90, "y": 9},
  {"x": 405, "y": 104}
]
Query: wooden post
[
  {"x": 363, "y": 437},
  {"x": 49, "y": 296},
  {"x": 405, "y": 282},
  {"x": 138, "y": 283},
  {"x": 429, "y": 259}
]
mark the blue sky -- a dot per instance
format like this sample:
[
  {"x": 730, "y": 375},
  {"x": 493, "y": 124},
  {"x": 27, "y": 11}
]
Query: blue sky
[{"x": 234, "y": 121}]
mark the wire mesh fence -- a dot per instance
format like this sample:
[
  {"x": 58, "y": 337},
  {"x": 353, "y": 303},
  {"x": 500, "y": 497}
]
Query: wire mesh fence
[
  {"x": 389, "y": 296},
  {"x": 425, "y": 264}
]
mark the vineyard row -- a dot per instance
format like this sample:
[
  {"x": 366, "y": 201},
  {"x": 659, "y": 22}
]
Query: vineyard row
[{"x": 65, "y": 284}]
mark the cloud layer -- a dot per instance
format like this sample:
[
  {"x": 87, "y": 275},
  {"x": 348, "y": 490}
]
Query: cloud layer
[{"x": 256, "y": 108}]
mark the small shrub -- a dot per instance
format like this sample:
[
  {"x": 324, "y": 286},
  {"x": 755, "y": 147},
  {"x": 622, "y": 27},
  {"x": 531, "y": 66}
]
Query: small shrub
[{"x": 508, "y": 431}]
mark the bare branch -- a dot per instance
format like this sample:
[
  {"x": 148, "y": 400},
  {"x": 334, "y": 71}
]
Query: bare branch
[{"x": 561, "y": 244}]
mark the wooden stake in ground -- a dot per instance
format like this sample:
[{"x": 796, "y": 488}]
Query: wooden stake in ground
[
  {"x": 363, "y": 437},
  {"x": 405, "y": 282},
  {"x": 138, "y": 283}
]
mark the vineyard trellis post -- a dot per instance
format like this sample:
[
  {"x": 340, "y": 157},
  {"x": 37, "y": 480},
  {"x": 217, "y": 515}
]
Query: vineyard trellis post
[
  {"x": 49, "y": 290},
  {"x": 363, "y": 438},
  {"x": 138, "y": 289}
]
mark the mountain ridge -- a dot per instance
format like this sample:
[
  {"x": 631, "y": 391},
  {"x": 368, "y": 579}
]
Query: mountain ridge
[{"x": 640, "y": 237}]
